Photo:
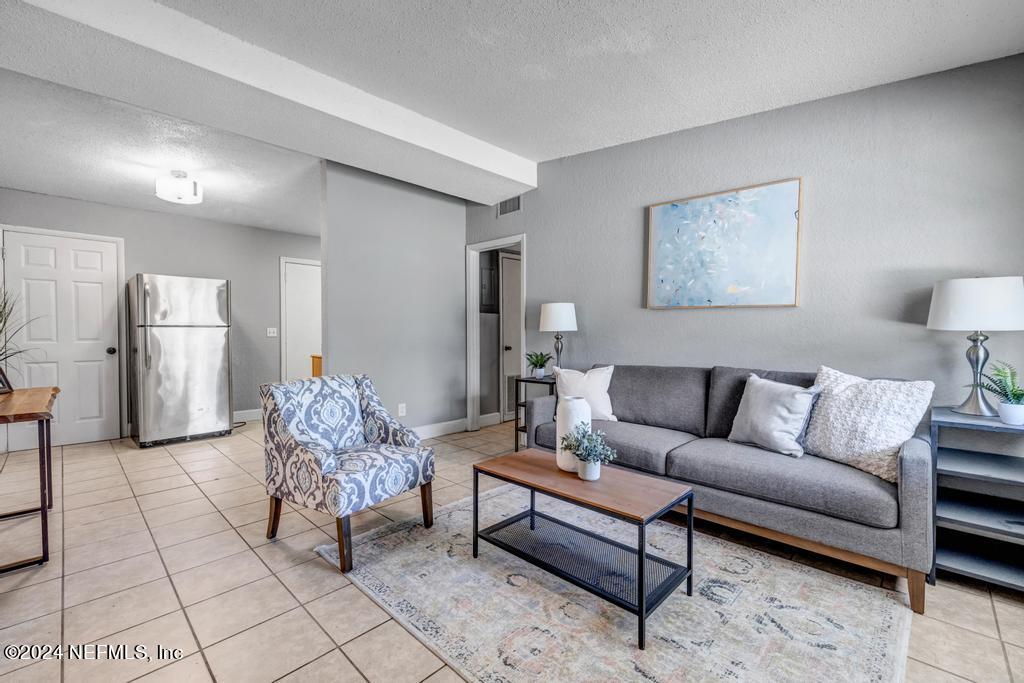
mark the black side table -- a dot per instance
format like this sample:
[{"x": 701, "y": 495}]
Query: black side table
[{"x": 548, "y": 381}]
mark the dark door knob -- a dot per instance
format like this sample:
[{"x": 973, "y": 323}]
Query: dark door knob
[
  {"x": 508, "y": 348},
  {"x": 111, "y": 350}
]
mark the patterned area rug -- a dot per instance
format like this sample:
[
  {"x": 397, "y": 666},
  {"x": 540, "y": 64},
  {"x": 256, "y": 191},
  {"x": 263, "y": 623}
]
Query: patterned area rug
[{"x": 753, "y": 616}]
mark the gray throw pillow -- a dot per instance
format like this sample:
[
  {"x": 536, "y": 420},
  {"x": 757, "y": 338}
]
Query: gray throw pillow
[{"x": 773, "y": 415}]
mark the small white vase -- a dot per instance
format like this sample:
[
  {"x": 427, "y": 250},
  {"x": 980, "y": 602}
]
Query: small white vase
[
  {"x": 1011, "y": 413},
  {"x": 538, "y": 373},
  {"x": 572, "y": 410},
  {"x": 589, "y": 471}
]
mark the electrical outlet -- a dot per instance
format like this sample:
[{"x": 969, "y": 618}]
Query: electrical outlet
[
  {"x": 401, "y": 410},
  {"x": 271, "y": 331}
]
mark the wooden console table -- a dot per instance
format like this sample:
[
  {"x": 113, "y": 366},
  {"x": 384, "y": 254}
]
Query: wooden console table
[{"x": 33, "y": 405}]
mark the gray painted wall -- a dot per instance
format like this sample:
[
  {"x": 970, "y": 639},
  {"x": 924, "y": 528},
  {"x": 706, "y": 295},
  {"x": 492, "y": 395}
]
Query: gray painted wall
[
  {"x": 904, "y": 184},
  {"x": 395, "y": 292},
  {"x": 176, "y": 245}
]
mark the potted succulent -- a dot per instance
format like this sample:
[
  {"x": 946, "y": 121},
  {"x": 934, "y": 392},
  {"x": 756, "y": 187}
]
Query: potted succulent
[
  {"x": 537, "y": 361},
  {"x": 590, "y": 449},
  {"x": 1002, "y": 382}
]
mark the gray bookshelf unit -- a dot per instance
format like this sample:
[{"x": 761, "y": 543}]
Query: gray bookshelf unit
[{"x": 979, "y": 505}]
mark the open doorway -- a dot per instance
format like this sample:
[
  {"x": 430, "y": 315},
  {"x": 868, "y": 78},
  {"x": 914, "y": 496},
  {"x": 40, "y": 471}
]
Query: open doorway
[
  {"x": 300, "y": 317},
  {"x": 495, "y": 328}
]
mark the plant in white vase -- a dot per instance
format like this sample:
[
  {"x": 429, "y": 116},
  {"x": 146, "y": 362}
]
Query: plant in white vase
[
  {"x": 1002, "y": 382},
  {"x": 590, "y": 449},
  {"x": 537, "y": 362}
]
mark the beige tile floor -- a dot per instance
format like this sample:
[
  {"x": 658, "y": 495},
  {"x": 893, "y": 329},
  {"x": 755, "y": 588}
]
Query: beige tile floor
[{"x": 166, "y": 546}]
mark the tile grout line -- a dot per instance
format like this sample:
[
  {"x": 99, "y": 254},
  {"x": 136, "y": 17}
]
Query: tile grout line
[
  {"x": 999, "y": 632},
  {"x": 174, "y": 588},
  {"x": 63, "y": 558}
]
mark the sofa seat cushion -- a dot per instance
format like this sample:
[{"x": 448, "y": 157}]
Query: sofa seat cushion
[
  {"x": 810, "y": 482},
  {"x": 639, "y": 446}
]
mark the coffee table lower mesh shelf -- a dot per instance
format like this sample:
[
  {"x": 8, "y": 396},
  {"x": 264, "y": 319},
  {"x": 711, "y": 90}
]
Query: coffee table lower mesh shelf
[{"x": 597, "y": 564}]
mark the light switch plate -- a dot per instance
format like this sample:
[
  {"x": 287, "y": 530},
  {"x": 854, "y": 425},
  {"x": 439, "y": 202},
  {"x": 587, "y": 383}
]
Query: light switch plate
[{"x": 271, "y": 331}]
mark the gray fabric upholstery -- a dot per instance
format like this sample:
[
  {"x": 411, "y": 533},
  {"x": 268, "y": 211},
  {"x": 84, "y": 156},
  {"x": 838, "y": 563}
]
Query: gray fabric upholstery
[
  {"x": 915, "y": 491},
  {"x": 809, "y": 482},
  {"x": 726, "y": 390},
  {"x": 638, "y": 446},
  {"x": 673, "y": 398},
  {"x": 539, "y": 411}
]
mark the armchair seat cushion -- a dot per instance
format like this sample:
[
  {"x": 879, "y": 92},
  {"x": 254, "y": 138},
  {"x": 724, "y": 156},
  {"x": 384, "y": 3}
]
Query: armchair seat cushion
[{"x": 370, "y": 474}]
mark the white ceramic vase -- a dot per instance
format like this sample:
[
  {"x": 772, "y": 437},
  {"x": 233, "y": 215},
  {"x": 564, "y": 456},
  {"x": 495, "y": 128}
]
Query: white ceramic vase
[
  {"x": 1011, "y": 414},
  {"x": 589, "y": 471},
  {"x": 572, "y": 410},
  {"x": 538, "y": 373}
]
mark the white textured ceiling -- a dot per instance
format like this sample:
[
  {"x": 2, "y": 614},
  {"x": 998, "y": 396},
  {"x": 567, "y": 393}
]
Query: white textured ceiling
[
  {"x": 550, "y": 79},
  {"x": 463, "y": 95},
  {"x": 66, "y": 142}
]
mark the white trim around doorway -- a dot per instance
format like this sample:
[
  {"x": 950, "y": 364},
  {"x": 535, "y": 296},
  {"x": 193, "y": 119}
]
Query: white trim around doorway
[{"x": 473, "y": 319}]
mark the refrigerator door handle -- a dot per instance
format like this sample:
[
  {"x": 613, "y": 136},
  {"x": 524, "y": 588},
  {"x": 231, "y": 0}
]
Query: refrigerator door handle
[{"x": 145, "y": 320}]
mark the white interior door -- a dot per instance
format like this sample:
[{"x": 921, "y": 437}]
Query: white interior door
[
  {"x": 300, "y": 317},
  {"x": 511, "y": 275},
  {"x": 67, "y": 290}
]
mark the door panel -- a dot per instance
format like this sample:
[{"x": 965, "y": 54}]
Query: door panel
[
  {"x": 188, "y": 366},
  {"x": 301, "y": 335},
  {"x": 511, "y": 273},
  {"x": 67, "y": 289},
  {"x": 173, "y": 300}
]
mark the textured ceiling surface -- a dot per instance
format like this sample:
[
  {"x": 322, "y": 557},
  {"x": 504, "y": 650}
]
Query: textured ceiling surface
[
  {"x": 61, "y": 141},
  {"x": 547, "y": 80}
]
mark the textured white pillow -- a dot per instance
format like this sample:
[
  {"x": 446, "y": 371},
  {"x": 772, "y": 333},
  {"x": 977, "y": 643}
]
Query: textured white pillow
[
  {"x": 863, "y": 423},
  {"x": 591, "y": 385},
  {"x": 773, "y": 415}
]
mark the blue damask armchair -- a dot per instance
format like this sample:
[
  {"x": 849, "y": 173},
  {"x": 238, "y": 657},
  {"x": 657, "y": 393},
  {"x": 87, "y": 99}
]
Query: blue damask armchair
[{"x": 332, "y": 446}]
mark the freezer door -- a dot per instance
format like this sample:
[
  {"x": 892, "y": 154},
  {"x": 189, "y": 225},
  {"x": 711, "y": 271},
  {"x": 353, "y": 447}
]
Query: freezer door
[
  {"x": 184, "y": 382},
  {"x": 173, "y": 300}
]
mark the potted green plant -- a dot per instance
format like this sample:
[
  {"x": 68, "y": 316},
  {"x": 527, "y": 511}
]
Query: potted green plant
[
  {"x": 537, "y": 361},
  {"x": 9, "y": 328},
  {"x": 590, "y": 449},
  {"x": 1002, "y": 382}
]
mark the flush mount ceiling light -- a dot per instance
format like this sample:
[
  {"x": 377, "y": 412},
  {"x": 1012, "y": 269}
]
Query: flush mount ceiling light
[{"x": 176, "y": 187}]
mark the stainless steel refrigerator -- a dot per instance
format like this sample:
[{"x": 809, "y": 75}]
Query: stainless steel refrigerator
[{"x": 180, "y": 365}]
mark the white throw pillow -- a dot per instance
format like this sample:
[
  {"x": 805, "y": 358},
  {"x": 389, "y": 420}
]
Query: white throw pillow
[
  {"x": 591, "y": 385},
  {"x": 863, "y": 423},
  {"x": 773, "y": 415}
]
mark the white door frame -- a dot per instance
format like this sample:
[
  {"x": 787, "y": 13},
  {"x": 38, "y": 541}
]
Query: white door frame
[
  {"x": 282, "y": 336},
  {"x": 122, "y": 331},
  {"x": 473, "y": 319}
]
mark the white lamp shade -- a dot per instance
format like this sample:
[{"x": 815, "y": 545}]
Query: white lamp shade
[
  {"x": 984, "y": 304},
  {"x": 558, "y": 317}
]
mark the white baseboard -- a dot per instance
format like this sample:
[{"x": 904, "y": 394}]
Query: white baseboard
[
  {"x": 490, "y": 419},
  {"x": 248, "y": 415},
  {"x": 440, "y": 428}
]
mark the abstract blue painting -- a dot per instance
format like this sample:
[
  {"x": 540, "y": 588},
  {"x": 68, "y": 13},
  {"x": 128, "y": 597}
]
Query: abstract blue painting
[{"x": 733, "y": 248}]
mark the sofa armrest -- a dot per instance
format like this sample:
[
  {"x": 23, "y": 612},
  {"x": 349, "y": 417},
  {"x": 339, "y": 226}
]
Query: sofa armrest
[
  {"x": 538, "y": 411},
  {"x": 916, "y": 488}
]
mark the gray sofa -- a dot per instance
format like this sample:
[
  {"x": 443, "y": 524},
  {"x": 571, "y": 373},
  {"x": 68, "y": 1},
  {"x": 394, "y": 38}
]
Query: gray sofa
[{"x": 674, "y": 422}]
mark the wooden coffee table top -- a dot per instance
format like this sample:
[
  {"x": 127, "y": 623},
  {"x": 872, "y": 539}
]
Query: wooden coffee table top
[{"x": 620, "y": 492}]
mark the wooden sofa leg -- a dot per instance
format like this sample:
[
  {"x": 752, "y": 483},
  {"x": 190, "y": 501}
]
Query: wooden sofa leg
[
  {"x": 344, "y": 544},
  {"x": 427, "y": 498},
  {"x": 274, "y": 518},
  {"x": 915, "y": 584}
]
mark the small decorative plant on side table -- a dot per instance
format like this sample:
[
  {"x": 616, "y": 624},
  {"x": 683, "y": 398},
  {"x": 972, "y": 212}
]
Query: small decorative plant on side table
[
  {"x": 1002, "y": 383},
  {"x": 537, "y": 362},
  {"x": 590, "y": 449}
]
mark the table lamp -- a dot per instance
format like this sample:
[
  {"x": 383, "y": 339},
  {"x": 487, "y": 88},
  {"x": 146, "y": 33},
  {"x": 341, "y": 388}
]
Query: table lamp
[
  {"x": 973, "y": 304},
  {"x": 558, "y": 318}
]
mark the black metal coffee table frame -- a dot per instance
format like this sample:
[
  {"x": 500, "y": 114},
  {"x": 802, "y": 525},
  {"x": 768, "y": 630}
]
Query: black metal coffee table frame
[{"x": 583, "y": 557}]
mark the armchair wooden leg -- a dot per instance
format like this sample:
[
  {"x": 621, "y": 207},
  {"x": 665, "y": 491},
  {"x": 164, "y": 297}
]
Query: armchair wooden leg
[
  {"x": 344, "y": 544},
  {"x": 427, "y": 498},
  {"x": 274, "y": 518},
  {"x": 916, "y": 586}
]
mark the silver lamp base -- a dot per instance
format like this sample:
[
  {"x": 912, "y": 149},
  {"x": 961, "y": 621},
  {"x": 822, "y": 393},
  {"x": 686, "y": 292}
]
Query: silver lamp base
[{"x": 977, "y": 403}]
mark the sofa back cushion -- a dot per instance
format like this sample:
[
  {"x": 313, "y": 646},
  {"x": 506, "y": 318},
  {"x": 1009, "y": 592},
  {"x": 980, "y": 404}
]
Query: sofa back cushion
[
  {"x": 726, "y": 391},
  {"x": 669, "y": 397}
]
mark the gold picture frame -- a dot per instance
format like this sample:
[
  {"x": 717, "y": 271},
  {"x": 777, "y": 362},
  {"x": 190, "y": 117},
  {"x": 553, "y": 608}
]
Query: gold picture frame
[{"x": 735, "y": 210}]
